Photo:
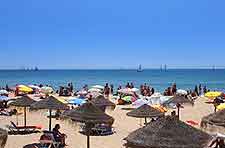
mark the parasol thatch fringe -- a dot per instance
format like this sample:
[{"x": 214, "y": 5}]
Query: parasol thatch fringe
[
  {"x": 49, "y": 103},
  {"x": 217, "y": 119},
  {"x": 167, "y": 132},
  {"x": 145, "y": 111},
  {"x": 3, "y": 138},
  {"x": 88, "y": 113},
  {"x": 179, "y": 100},
  {"x": 102, "y": 101},
  {"x": 23, "y": 101}
]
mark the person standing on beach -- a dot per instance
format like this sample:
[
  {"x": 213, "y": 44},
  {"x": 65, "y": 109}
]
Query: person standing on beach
[
  {"x": 131, "y": 85},
  {"x": 174, "y": 89},
  {"x": 71, "y": 87},
  {"x": 107, "y": 90},
  {"x": 128, "y": 85},
  {"x": 152, "y": 91},
  {"x": 7, "y": 87},
  {"x": 204, "y": 90},
  {"x": 196, "y": 90},
  {"x": 200, "y": 89},
  {"x": 119, "y": 88},
  {"x": 111, "y": 89}
]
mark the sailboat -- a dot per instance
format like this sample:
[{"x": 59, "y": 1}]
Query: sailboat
[
  {"x": 140, "y": 69},
  {"x": 36, "y": 68}
]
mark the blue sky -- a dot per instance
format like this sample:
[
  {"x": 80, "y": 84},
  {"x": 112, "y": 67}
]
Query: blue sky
[{"x": 111, "y": 33}]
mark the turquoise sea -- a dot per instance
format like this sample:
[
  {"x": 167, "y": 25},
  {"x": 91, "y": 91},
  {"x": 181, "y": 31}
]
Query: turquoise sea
[{"x": 185, "y": 78}]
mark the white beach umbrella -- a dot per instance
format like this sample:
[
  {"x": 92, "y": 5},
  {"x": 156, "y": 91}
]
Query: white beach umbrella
[
  {"x": 98, "y": 87},
  {"x": 94, "y": 90},
  {"x": 4, "y": 92},
  {"x": 156, "y": 95},
  {"x": 125, "y": 91},
  {"x": 164, "y": 99},
  {"x": 182, "y": 92},
  {"x": 134, "y": 90},
  {"x": 34, "y": 87},
  {"x": 140, "y": 102},
  {"x": 47, "y": 90},
  {"x": 154, "y": 100},
  {"x": 94, "y": 94},
  {"x": 82, "y": 92}
]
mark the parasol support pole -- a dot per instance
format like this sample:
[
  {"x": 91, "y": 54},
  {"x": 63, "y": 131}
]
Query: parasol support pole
[
  {"x": 145, "y": 121},
  {"x": 88, "y": 128},
  {"x": 17, "y": 122},
  {"x": 215, "y": 108},
  {"x": 25, "y": 116},
  {"x": 88, "y": 141},
  {"x": 178, "y": 111},
  {"x": 50, "y": 119}
]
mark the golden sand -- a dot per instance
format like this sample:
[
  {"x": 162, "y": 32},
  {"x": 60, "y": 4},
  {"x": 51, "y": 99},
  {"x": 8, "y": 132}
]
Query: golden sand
[{"x": 123, "y": 126}]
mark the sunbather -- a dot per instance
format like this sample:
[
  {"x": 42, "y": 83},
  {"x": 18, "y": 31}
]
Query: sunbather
[{"x": 59, "y": 137}]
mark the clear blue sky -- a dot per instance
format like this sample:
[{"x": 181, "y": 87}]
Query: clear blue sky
[{"x": 111, "y": 33}]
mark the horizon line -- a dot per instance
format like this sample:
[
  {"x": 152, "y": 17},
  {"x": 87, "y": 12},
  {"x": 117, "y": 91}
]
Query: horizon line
[{"x": 163, "y": 69}]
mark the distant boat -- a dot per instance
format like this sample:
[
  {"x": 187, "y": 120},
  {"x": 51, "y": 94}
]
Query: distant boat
[
  {"x": 161, "y": 68},
  {"x": 36, "y": 69},
  {"x": 165, "y": 67},
  {"x": 29, "y": 69},
  {"x": 140, "y": 69}
]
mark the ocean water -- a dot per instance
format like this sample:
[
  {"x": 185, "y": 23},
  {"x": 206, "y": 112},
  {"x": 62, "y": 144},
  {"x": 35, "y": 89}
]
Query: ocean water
[{"x": 185, "y": 78}]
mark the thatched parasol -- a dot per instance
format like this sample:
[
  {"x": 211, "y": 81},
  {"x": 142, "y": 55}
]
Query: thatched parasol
[
  {"x": 217, "y": 119},
  {"x": 24, "y": 102},
  {"x": 3, "y": 138},
  {"x": 168, "y": 132},
  {"x": 178, "y": 100},
  {"x": 89, "y": 114},
  {"x": 102, "y": 102},
  {"x": 50, "y": 103},
  {"x": 145, "y": 111}
]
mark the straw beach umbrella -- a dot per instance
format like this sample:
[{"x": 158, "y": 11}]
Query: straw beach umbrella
[
  {"x": 217, "y": 119},
  {"x": 89, "y": 114},
  {"x": 50, "y": 103},
  {"x": 178, "y": 100},
  {"x": 102, "y": 102},
  {"x": 145, "y": 111},
  {"x": 24, "y": 102},
  {"x": 3, "y": 138},
  {"x": 168, "y": 132}
]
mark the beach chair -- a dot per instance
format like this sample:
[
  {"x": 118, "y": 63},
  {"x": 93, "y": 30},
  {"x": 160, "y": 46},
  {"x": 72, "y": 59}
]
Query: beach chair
[
  {"x": 14, "y": 129},
  {"x": 106, "y": 130},
  {"x": 51, "y": 142},
  {"x": 4, "y": 112}
]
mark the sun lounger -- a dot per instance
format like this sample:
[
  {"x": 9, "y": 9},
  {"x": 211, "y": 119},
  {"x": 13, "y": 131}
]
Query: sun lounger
[
  {"x": 100, "y": 130},
  {"x": 14, "y": 129},
  {"x": 4, "y": 113},
  {"x": 104, "y": 130}
]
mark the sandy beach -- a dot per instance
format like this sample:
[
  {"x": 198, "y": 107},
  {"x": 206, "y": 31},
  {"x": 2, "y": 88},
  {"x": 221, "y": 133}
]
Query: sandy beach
[{"x": 123, "y": 126}]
